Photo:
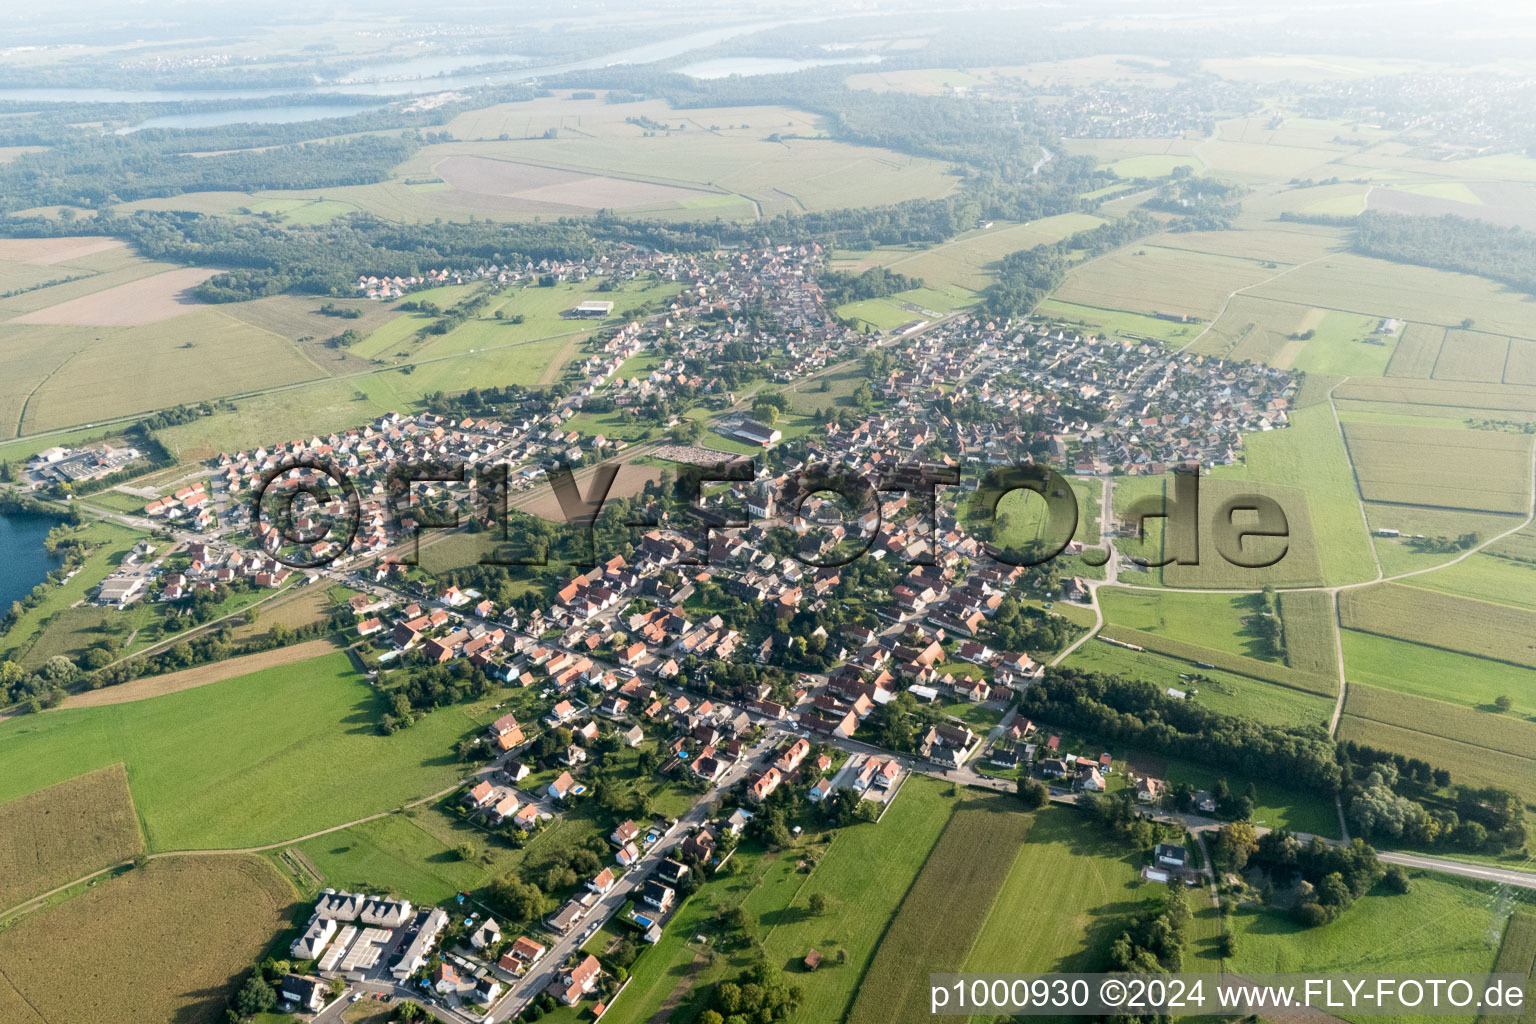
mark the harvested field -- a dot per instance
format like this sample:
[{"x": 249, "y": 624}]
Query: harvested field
[
  {"x": 202, "y": 675},
  {"x": 1521, "y": 365},
  {"x": 166, "y": 942},
  {"x": 48, "y": 251},
  {"x": 65, "y": 831},
  {"x": 141, "y": 302},
  {"x": 1442, "y": 620},
  {"x": 1477, "y": 470},
  {"x": 1472, "y": 356},
  {"x": 942, "y": 912},
  {"x": 1417, "y": 351},
  {"x": 535, "y": 184},
  {"x": 1447, "y": 394}
]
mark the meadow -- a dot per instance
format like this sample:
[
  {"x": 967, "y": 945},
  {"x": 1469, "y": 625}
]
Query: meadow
[
  {"x": 482, "y": 352},
  {"x": 1093, "y": 319},
  {"x": 943, "y": 911},
  {"x": 1431, "y": 673},
  {"x": 1443, "y": 921},
  {"x": 280, "y": 753},
  {"x": 1215, "y": 621},
  {"x": 1320, "y": 684},
  {"x": 864, "y": 875},
  {"x": 1071, "y": 889},
  {"x": 65, "y": 831},
  {"x": 1485, "y": 578},
  {"x": 968, "y": 260},
  {"x": 1477, "y": 470},
  {"x": 1224, "y": 692},
  {"x": 1441, "y": 620},
  {"x": 167, "y": 941},
  {"x": 1308, "y": 457}
]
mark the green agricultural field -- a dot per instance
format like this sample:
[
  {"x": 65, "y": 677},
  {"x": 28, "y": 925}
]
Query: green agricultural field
[
  {"x": 1452, "y": 623},
  {"x": 1347, "y": 344},
  {"x": 1435, "y": 674},
  {"x": 1309, "y": 626},
  {"x": 1326, "y": 525},
  {"x": 968, "y": 259},
  {"x": 106, "y": 371},
  {"x": 1472, "y": 356},
  {"x": 1225, "y": 692},
  {"x": 1477, "y": 470},
  {"x": 1443, "y": 922},
  {"x": 168, "y": 941},
  {"x": 1215, "y": 621},
  {"x": 1468, "y": 764},
  {"x": 1075, "y": 890},
  {"x": 1120, "y": 323},
  {"x": 1517, "y": 955},
  {"x": 1485, "y": 578},
  {"x": 1156, "y": 280},
  {"x": 60, "y": 833},
  {"x": 864, "y": 876},
  {"x": 1441, "y": 398},
  {"x": 1417, "y": 351},
  {"x": 943, "y": 911},
  {"x": 1474, "y": 726},
  {"x": 279, "y": 753},
  {"x": 414, "y": 853},
  {"x": 1199, "y": 657},
  {"x": 1379, "y": 288}
]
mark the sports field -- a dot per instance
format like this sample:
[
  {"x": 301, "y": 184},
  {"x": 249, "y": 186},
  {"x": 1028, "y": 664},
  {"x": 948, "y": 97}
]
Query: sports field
[
  {"x": 166, "y": 942},
  {"x": 65, "y": 831},
  {"x": 280, "y": 753}
]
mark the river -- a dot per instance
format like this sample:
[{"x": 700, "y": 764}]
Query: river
[{"x": 25, "y": 560}]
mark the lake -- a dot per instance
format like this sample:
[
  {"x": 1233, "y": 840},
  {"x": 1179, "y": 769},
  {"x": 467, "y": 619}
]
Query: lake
[
  {"x": 23, "y": 556},
  {"x": 410, "y": 77}
]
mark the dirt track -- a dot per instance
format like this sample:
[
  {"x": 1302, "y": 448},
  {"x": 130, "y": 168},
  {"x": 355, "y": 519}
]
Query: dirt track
[{"x": 202, "y": 675}]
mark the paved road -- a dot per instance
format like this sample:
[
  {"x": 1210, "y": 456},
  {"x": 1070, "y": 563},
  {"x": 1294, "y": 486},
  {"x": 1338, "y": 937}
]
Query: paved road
[{"x": 538, "y": 979}]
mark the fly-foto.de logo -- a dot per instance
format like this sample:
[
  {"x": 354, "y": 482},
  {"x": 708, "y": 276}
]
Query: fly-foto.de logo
[{"x": 307, "y": 513}]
